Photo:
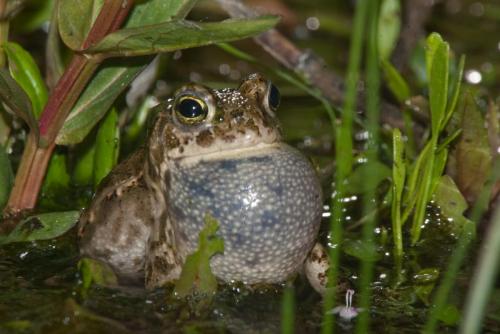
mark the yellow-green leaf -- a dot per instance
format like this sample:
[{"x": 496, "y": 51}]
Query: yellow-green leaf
[
  {"x": 14, "y": 97},
  {"x": 196, "y": 275},
  {"x": 26, "y": 73}
]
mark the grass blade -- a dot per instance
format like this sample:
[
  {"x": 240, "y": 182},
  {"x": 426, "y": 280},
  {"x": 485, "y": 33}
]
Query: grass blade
[
  {"x": 288, "y": 311},
  {"x": 398, "y": 179},
  {"x": 343, "y": 148},
  {"x": 484, "y": 279},
  {"x": 369, "y": 192}
]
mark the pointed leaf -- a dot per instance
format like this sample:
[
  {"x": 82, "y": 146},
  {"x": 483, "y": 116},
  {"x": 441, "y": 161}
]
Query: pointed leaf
[
  {"x": 83, "y": 168},
  {"x": 397, "y": 85},
  {"x": 12, "y": 95},
  {"x": 389, "y": 25},
  {"x": 432, "y": 44},
  {"x": 25, "y": 71},
  {"x": 158, "y": 11},
  {"x": 456, "y": 92},
  {"x": 450, "y": 199},
  {"x": 96, "y": 100},
  {"x": 473, "y": 154},
  {"x": 75, "y": 20},
  {"x": 56, "y": 183},
  {"x": 42, "y": 227},
  {"x": 181, "y": 34},
  {"x": 438, "y": 86},
  {"x": 107, "y": 146}
]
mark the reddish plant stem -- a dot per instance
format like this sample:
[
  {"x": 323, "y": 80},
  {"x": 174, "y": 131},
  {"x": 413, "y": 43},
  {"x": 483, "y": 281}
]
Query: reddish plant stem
[
  {"x": 49, "y": 123},
  {"x": 36, "y": 155}
]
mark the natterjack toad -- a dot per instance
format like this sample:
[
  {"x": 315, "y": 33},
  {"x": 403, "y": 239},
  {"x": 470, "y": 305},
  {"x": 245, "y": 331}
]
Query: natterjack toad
[{"x": 217, "y": 152}]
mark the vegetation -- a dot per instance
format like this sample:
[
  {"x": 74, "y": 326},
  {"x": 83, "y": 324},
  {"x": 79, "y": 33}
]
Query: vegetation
[{"x": 413, "y": 210}]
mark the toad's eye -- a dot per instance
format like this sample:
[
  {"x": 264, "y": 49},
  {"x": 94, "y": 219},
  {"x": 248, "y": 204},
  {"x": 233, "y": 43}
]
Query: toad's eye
[
  {"x": 190, "y": 109},
  {"x": 273, "y": 97}
]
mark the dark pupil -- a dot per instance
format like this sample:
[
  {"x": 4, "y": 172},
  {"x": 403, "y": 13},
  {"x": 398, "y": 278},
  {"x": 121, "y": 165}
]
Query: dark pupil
[
  {"x": 274, "y": 97},
  {"x": 190, "y": 108}
]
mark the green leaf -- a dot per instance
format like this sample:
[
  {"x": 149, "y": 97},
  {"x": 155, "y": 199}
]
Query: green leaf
[
  {"x": 438, "y": 86},
  {"x": 107, "y": 146},
  {"x": 397, "y": 85},
  {"x": 432, "y": 44},
  {"x": 157, "y": 11},
  {"x": 93, "y": 271},
  {"x": 6, "y": 177},
  {"x": 440, "y": 159},
  {"x": 448, "y": 140},
  {"x": 75, "y": 20},
  {"x": 389, "y": 26},
  {"x": 413, "y": 184},
  {"x": 83, "y": 170},
  {"x": 42, "y": 227},
  {"x": 56, "y": 183},
  {"x": 25, "y": 71},
  {"x": 16, "y": 99},
  {"x": 456, "y": 92},
  {"x": 361, "y": 250},
  {"x": 196, "y": 275},
  {"x": 473, "y": 154},
  {"x": 97, "y": 99},
  {"x": 112, "y": 78},
  {"x": 180, "y": 34},
  {"x": 449, "y": 199}
]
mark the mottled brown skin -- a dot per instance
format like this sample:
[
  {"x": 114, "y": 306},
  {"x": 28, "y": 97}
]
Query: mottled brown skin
[{"x": 135, "y": 222}]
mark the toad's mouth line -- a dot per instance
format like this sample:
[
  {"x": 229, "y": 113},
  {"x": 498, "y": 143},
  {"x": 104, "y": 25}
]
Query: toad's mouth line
[{"x": 233, "y": 153}]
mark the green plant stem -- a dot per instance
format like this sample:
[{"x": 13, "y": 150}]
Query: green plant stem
[
  {"x": 458, "y": 256},
  {"x": 398, "y": 180},
  {"x": 344, "y": 155},
  {"x": 424, "y": 193},
  {"x": 35, "y": 159},
  {"x": 288, "y": 311},
  {"x": 484, "y": 279},
  {"x": 369, "y": 196}
]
